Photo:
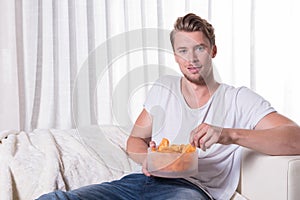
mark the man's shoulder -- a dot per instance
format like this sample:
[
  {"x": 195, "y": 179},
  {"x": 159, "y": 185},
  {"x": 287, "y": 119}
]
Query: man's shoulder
[
  {"x": 233, "y": 89},
  {"x": 241, "y": 94}
]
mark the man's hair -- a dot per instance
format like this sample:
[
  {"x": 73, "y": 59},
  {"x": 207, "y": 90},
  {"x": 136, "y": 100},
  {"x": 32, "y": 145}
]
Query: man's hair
[{"x": 191, "y": 23}]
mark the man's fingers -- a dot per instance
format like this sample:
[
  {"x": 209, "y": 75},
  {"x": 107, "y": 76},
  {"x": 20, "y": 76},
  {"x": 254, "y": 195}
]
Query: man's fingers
[
  {"x": 211, "y": 137},
  {"x": 152, "y": 144},
  {"x": 146, "y": 172},
  {"x": 144, "y": 168},
  {"x": 198, "y": 133},
  {"x": 204, "y": 136}
]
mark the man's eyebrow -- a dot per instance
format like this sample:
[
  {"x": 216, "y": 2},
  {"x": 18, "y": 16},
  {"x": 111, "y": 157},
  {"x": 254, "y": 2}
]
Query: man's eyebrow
[
  {"x": 196, "y": 45},
  {"x": 201, "y": 45},
  {"x": 178, "y": 48}
]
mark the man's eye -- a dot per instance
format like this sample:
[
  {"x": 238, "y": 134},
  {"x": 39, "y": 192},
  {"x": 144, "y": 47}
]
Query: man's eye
[
  {"x": 182, "y": 51},
  {"x": 200, "y": 48}
]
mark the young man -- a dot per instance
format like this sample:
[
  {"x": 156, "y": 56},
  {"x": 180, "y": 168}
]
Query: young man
[{"x": 195, "y": 108}]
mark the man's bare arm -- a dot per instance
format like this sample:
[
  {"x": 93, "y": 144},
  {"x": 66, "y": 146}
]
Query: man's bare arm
[
  {"x": 275, "y": 134},
  {"x": 138, "y": 141}
]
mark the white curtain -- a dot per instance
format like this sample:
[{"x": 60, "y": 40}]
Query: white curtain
[
  {"x": 68, "y": 63},
  {"x": 258, "y": 47}
]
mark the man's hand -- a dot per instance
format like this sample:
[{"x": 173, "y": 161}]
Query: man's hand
[
  {"x": 205, "y": 135},
  {"x": 152, "y": 144}
]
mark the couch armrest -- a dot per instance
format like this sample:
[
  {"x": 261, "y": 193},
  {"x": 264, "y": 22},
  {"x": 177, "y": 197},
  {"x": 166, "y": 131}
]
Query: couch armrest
[{"x": 269, "y": 177}]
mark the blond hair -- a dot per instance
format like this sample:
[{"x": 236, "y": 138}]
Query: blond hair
[{"x": 191, "y": 23}]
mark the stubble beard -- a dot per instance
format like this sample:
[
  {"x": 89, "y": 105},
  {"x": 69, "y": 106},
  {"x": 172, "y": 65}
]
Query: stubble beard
[{"x": 198, "y": 81}]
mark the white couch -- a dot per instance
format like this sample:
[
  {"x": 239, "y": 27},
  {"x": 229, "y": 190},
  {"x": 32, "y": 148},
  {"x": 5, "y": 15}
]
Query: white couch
[
  {"x": 265, "y": 177},
  {"x": 41, "y": 161}
]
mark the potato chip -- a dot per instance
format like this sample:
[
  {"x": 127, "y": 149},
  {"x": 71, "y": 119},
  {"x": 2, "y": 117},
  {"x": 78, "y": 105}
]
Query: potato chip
[
  {"x": 164, "y": 143},
  {"x": 165, "y": 147},
  {"x": 188, "y": 148}
]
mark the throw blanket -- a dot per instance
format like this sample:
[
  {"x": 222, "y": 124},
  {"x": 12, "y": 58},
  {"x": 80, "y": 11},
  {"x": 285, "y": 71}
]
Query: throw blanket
[{"x": 42, "y": 161}]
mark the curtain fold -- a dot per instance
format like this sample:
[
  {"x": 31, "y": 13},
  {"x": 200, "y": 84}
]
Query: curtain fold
[
  {"x": 91, "y": 60},
  {"x": 39, "y": 71},
  {"x": 252, "y": 46},
  {"x": 68, "y": 63},
  {"x": 56, "y": 63},
  {"x": 72, "y": 58},
  {"x": 23, "y": 112}
]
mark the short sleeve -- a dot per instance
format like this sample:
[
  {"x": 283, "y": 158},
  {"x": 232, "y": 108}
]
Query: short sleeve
[
  {"x": 152, "y": 95},
  {"x": 251, "y": 107},
  {"x": 161, "y": 92}
]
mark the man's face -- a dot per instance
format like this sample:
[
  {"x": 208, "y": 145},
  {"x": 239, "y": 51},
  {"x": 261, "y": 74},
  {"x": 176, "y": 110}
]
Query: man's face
[{"x": 193, "y": 53}]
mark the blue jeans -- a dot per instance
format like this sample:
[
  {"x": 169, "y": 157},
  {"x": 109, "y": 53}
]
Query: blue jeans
[{"x": 135, "y": 187}]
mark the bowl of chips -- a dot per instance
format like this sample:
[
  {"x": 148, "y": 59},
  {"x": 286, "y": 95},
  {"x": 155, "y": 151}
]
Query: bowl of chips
[{"x": 172, "y": 161}]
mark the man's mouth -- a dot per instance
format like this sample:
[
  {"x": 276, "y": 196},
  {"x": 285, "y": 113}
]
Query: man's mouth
[{"x": 194, "y": 70}]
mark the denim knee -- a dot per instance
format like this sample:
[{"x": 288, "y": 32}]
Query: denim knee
[{"x": 58, "y": 195}]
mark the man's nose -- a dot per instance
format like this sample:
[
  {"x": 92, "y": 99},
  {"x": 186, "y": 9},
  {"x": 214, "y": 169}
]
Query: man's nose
[{"x": 192, "y": 57}]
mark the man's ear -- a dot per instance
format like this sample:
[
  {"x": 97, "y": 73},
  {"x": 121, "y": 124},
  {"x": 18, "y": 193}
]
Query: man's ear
[{"x": 214, "y": 51}]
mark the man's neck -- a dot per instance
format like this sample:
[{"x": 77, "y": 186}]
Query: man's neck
[{"x": 196, "y": 95}]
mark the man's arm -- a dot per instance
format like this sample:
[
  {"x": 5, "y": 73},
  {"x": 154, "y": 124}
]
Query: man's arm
[
  {"x": 138, "y": 141},
  {"x": 275, "y": 134}
]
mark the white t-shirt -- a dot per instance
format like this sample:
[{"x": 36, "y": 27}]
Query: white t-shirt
[{"x": 229, "y": 107}]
